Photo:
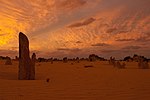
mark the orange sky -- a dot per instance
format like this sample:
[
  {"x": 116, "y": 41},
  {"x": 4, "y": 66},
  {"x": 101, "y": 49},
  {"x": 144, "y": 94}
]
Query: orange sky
[{"x": 76, "y": 27}]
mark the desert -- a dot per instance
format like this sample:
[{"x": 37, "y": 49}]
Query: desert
[
  {"x": 74, "y": 50},
  {"x": 75, "y": 82}
]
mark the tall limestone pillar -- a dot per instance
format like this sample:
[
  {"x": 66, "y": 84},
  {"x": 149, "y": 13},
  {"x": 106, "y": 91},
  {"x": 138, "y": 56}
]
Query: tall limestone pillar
[{"x": 25, "y": 63}]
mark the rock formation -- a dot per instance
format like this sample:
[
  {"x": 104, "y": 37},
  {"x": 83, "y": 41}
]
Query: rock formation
[
  {"x": 119, "y": 65},
  {"x": 25, "y": 64},
  {"x": 16, "y": 58},
  {"x": 32, "y": 68},
  {"x": 8, "y": 61},
  {"x": 87, "y": 66},
  {"x": 116, "y": 64},
  {"x": 112, "y": 61},
  {"x": 143, "y": 64}
]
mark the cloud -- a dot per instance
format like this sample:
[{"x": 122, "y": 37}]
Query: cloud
[
  {"x": 108, "y": 51},
  {"x": 2, "y": 34},
  {"x": 117, "y": 31},
  {"x": 105, "y": 17},
  {"x": 10, "y": 53},
  {"x": 35, "y": 51},
  {"x": 78, "y": 42},
  {"x": 124, "y": 40},
  {"x": 145, "y": 38},
  {"x": 80, "y": 24},
  {"x": 113, "y": 51},
  {"x": 121, "y": 53},
  {"x": 100, "y": 44},
  {"x": 142, "y": 40},
  {"x": 70, "y": 4},
  {"x": 111, "y": 30},
  {"x": 14, "y": 48},
  {"x": 69, "y": 49},
  {"x": 63, "y": 49},
  {"x": 132, "y": 47}
]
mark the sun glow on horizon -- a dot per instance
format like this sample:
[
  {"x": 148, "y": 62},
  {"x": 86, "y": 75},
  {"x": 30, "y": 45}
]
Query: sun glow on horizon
[{"x": 9, "y": 29}]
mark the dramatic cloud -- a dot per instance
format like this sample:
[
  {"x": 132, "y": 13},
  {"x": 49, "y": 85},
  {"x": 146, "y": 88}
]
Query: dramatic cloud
[
  {"x": 78, "y": 42},
  {"x": 63, "y": 49},
  {"x": 67, "y": 49},
  {"x": 62, "y": 27},
  {"x": 70, "y": 4},
  {"x": 86, "y": 22},
  {"x": 132, "y": 47},
  {"x": 144, "y": 38},
  {"x": 2, "y": 34},
  {"x": 111, "y": 30},
  {"x": 100, "y": 44},
  {"x": 109, "y": 51},
  {"x": 124, "y": 40}
]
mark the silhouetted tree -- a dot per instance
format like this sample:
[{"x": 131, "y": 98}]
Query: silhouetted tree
[
  {"x": 128, "y": 58},
  {"x": 41, "y": 59}
]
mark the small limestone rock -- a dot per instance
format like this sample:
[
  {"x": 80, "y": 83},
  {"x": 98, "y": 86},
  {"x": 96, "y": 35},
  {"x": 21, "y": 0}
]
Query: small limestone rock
[
  {"x": 119, "y": 65},
  {"x": 16, "y": 58},
  {"x": 143, "y": 64},
  {"x": 47, "y": 80},
  {"x": 87, "y": 66},
  {"x": 32, "y": 70},
  {"x": 8, "y": 61},
  {"x": 112, "y": 61}
]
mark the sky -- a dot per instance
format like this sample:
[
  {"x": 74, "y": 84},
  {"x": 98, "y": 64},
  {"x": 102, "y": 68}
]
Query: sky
[{"x": 60, "y": 28}]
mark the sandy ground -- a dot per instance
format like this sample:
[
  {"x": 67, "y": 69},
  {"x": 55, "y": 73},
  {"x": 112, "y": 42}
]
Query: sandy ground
[{"x": 74, "y": 82}]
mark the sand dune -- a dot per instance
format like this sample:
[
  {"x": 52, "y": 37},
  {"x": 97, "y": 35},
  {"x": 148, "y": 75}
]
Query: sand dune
[{"x": 75, "y": 82}]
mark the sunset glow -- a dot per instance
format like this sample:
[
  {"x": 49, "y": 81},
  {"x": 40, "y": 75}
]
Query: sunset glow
[{"x": 76, "y": 27}]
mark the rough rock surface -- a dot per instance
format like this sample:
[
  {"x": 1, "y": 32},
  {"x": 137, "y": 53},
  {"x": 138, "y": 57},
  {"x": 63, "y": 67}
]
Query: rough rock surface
[
  {"x": 25, "y": 63},
  {"x": 32, "y": 73}
]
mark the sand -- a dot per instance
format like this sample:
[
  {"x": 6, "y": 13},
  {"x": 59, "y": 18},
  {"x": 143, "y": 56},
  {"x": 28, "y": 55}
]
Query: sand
[{"x": 75, "y": 82}]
